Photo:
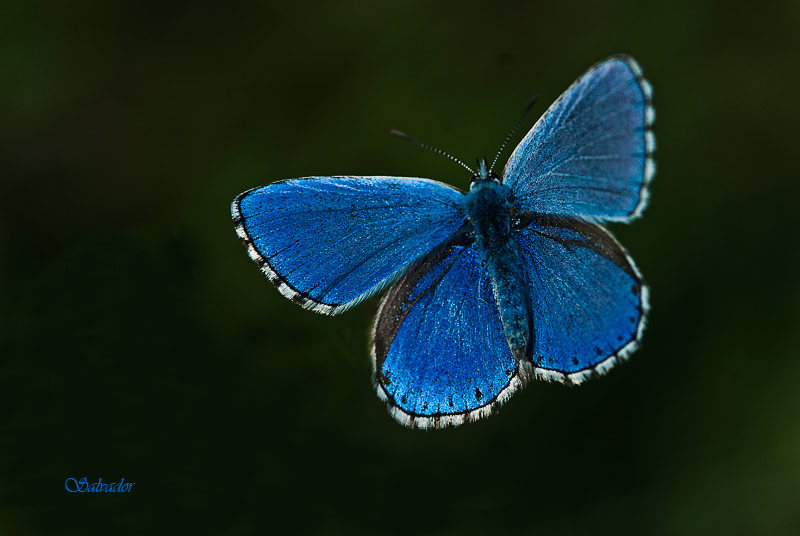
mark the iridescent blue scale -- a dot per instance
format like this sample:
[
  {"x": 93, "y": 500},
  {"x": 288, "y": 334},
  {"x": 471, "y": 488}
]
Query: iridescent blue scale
[{"x": 514, "y": 279}]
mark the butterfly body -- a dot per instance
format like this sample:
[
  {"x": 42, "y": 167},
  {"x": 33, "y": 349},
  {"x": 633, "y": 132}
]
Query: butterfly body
[
  {"x": 513, "y": 280},
  {"x": 488, "y": 207}
]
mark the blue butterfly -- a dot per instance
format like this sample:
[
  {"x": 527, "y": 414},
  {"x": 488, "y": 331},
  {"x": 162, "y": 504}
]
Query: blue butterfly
[{"x": 514, "y": 279}]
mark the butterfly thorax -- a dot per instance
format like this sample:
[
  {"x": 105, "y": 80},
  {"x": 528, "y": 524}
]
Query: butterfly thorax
[{"x": 488, "y": 207}]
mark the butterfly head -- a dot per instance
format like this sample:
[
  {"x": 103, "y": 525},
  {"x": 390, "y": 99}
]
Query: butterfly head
[{"x": 483, "y": 173}]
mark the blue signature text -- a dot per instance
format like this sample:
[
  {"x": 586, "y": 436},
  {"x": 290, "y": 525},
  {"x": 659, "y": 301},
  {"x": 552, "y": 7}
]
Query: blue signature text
[{"x": 83, "y": 486}]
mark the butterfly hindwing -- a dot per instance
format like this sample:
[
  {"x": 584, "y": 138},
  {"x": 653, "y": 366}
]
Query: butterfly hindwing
[
  {"x": 587, "y": 297},
  {"x": 330, "y": 242},
  {"x": 440, "y": 356},
  {"x": 590, "y": 154}
]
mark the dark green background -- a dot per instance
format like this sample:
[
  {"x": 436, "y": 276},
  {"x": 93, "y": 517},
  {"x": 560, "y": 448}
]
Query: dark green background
[{"x": 139, "y": 341}]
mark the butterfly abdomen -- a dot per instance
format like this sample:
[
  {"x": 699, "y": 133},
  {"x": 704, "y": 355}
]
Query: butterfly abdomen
[{"x": 487, "y": 207}]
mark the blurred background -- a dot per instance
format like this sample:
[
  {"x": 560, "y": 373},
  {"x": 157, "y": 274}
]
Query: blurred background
[{"x": 139, "y": 341}]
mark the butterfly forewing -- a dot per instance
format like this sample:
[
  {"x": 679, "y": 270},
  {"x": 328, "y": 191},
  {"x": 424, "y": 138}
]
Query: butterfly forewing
[
  {"x": 590, "y": 154},
  {"x": 330, "y": 242}
]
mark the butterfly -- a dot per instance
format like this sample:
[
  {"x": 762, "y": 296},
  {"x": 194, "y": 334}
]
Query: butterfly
[{"x": 515, "y": 279}]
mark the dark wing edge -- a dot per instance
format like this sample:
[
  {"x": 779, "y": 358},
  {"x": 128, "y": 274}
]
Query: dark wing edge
[
  {"x": 280, "y": 282},
  {"x": 523, "y": 373},
  {"x": 649, "y": 137},
  {"x": 620, "y": 355},
  {"x": 274, "y": 277}
]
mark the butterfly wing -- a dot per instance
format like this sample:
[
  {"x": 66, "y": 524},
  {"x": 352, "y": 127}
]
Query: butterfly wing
[
  {"x": 439, "y": 353},
  {"x": 328, "y": 243},
  {"x": 590, "y": 154},
  {"x": 588, "y": 300}
]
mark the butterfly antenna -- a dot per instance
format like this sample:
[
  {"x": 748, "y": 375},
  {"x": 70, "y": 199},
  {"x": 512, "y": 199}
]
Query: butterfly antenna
[
  {"x": 514, "y": 129},
  {"x": 408, "y": 138}
]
